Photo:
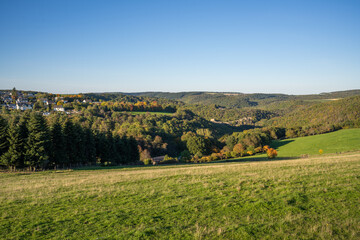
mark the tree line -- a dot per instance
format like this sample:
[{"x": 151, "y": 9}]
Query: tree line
[{"x": 29, "y": 141}]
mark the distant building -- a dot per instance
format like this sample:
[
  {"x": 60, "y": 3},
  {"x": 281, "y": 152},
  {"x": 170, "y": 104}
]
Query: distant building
[
  {"x": 46, "y": 114},
  {"x": 23, "y": 106},
  {"x": 59, "y": 98},
  {"x": 157, "y": 160},
  {"x": 48, "y": 102},
  {"x": 43, "y": 100},
  {"x": 87, "y": 101},
  {"x": 59, "y": 108},
  {"x": 11, "y": 106},
  {"x": 21, "y": 100}
]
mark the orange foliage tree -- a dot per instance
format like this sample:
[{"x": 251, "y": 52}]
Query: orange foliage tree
[{"x": 271, "y": 153}]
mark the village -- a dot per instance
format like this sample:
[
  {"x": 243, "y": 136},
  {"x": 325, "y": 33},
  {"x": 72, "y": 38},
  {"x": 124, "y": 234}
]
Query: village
[{"x": 42, "y": 102}]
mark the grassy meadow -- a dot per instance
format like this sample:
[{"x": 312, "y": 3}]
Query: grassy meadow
[
  {"x": 312, "y": 198},
  {"x": 335, "y": 142}
]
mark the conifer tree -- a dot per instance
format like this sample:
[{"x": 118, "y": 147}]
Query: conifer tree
[
  {"x": 4, "y": 143},
  {"x": 110, "y": 151},
  {"x": 102, "y": 148},
  {"x": 90, "y": 148},
  {"x": 133, "y": 150},
  {"x": 118, "y": 144},
  {"x": 70, "y": 148},
  {"x": 37, "y": 142},
  {"x": 79, "y": 143},
  {"x": 14, "y": 157},
  {"x": 57, "y": 145}
]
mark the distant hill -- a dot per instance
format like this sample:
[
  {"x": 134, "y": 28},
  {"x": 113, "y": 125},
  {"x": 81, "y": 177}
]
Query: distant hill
[
  {"x": 342, "y": 113},
  {"x": 230, "y": 100},
  {"x": 240, "y": 100}
]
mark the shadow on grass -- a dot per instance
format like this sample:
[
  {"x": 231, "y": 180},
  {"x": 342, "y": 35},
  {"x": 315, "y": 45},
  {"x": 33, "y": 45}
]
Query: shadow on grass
[
  {"x": 279, "y": 143},
  {"x": 259, "y": 159},
  {"x": 238, "y": 160}
]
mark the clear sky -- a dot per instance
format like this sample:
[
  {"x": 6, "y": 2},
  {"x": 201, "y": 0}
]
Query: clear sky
[{"x": 70, "y": 46}]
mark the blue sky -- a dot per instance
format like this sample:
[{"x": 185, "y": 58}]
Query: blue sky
[{"x": 69, "y": 46}]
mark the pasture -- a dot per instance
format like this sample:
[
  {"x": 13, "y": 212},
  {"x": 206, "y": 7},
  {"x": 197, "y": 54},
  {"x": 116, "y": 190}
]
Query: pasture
[
  {"x": 335, "y": 142},
  {"x": 312, "y": 198}
]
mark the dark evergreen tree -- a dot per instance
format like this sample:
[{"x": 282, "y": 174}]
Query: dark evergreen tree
[
  {"x": 134, "y": 155},
  {"x": 37, "y": 143},
  {"x": 124, "y": 150},
  {"x": 4, "y": 143},
  {"x": 90, "y": 147},
  {"x": 57, "y": 146},
  {"x": 110, "y": 151},
  {"x": 24, "y": 133},
  {"x": 118, "y": 155},
  {"x": 102, "y": 148},
  {"x": 79, "y": 143},
  {"x": 70, "y": 148},
  {"x": 14, "y": 157}
]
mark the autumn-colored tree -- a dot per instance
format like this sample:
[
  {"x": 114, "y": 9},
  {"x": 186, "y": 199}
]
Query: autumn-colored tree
[
  {"x": 239, "y": 148},
  {"x": 271, "y": 153}
]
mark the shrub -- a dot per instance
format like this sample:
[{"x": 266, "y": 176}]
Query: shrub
[
  {"x": 169, "y": 160},
  {"x": 250, "y": 153},
  {"x": 214, "y": 156},
  {"x": 271, "y": 153},
  {"x": 259, "y": 150},
  {"x": 234, "y": 154},
  {"x": 185, "y": 156},
  {"x": 147, "y": 161}
]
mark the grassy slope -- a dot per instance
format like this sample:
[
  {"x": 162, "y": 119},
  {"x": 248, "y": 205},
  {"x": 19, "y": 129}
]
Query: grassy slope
[
  {"x": 339, "y": 141},
  {"x": 315, "y": 198}
]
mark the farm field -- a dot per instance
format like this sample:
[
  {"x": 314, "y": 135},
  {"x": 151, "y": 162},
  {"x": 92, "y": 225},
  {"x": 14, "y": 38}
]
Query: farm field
[
  {"x": 312, "y": 198},
  {"x": 335, "y": 142}
]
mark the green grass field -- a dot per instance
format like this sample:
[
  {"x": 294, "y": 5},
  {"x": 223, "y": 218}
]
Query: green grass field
[
  {"x": 335, "y": 142},
  {"x": 312, "y": 198}
]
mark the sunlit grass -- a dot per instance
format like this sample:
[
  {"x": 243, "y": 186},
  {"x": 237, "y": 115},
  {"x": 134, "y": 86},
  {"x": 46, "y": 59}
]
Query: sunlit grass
[
  {"x": 293, "y": 199},
  {"x": 335, "y": 142}
]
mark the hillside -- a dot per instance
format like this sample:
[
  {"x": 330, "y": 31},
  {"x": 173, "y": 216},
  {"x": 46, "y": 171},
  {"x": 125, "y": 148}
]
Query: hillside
[
  {"x": 340, "y": 141},
  {"x": 337, "y": 113},
  {"x": 238, "y": 100}
]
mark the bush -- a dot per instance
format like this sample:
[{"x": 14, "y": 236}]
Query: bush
[
  {"x": 185, "y": 156},
  {"x": 147, "y": 161},
  {"x": 271, "y": 153},
  {"x": 234, "y": 154},
  {"x": 169, "y": 160},
  {"x": 214, "y": 156}
]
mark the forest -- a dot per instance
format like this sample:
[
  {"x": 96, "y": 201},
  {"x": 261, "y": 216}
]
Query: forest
[{"x": 117, "y": 129}]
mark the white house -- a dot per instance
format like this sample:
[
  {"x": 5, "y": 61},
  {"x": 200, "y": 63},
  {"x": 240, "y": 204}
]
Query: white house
[
  {"x": 59, "y": 108},
  {"x": 23, "y": 106}
]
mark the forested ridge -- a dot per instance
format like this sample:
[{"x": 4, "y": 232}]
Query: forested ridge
[
  {"x": 319, "y": 118},
  {"x": 114, "y": 128}
]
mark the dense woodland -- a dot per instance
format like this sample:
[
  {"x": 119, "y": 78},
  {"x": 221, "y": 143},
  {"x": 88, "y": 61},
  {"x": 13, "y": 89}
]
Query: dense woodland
[{"x": 114, "y": 128}]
